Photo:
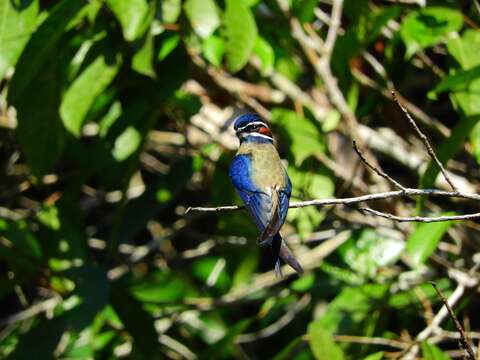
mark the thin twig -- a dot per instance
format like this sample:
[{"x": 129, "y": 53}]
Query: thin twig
[
  {"x": 422, "y": 219},
  {"x": 378, "y": 171},
  {"x": 425, "y": 141},
  {"x": 463, "y": 339}
]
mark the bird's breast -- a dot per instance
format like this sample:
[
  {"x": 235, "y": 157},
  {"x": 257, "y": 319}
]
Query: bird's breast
[{"x": 267, "y": 171}]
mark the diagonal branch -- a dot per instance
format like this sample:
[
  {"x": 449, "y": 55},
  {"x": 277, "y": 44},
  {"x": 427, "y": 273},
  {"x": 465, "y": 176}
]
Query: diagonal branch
[
  {"x": 378, "y": 171},
  {"x": 425, "y": 141},
  {"x": 463, "y": 338}
]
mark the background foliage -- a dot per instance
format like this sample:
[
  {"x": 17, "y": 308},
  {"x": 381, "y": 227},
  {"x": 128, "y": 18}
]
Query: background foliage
[{"x": 115, "y": 116}]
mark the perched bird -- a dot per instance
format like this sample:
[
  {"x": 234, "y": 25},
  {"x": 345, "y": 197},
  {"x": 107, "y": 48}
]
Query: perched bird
[{"x": 263, "y": 184}]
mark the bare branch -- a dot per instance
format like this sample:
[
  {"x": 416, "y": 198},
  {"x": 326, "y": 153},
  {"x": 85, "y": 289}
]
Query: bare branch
[
  {"x": 378, "y": 171},
  {"x": 425, "y": 141},
  {"x": 463, "y": 339},
  {"x": 422, "y": 219},
  {"x": 357, "y": 199}
]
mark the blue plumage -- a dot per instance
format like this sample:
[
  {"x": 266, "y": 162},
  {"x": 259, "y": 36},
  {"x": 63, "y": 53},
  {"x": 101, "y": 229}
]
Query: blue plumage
[{"x": 263, "y": 184}]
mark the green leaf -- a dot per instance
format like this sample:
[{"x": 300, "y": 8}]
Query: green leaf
[
  {"x": 132, "y": 15},
  {"x": 39, "y": 130},
  {"x": 370, "y": 252},
  {"x": 428, "y": 26},
  {"x": 203, "y": 16},
  {"x": 213, "y": 49},
  {"x": 321, "y": 343},
  {"x": 82, "y": 93},
  {"x": 458, "y": 82},
  {"x": 39, "y": 48},
  {"x": 264, "y": 51},
  {"x": 17, "y": 23},
  {"x": 464, "y": 49},
  {"x": 142, "y": 61},
  {"x": 169, "y": 44},
  {"x": 305, "y": 138},
  {"x": 431, "y": 352},
  {"x": 170, "y": 10},
  {"x": 126, "y": 144},
  {"x": 424, "y": 240},
  {"x": 240, "y": 33}
]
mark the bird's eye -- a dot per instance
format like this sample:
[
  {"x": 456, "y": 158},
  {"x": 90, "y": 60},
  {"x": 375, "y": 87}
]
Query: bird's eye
[{"x": 254, "y": 127}]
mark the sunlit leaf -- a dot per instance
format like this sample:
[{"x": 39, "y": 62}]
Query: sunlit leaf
[
  {"x": 322, "y": 344},
  {"x": 428, "y": 26},
  {"x": 263, "y": 50},
  {"x": 424, "y": 240},
  {"x": 81, "y": 94},
  {"x": 17, "y": 23},
  {"x": 132, "y": 15},
  {"x": 240, "y": 33},
  {"x": 213, "y": 49},
  {"x": 203, "y": 16},
  {"x": 142, "y": 61},
  {"x": 127, "y": 143}
]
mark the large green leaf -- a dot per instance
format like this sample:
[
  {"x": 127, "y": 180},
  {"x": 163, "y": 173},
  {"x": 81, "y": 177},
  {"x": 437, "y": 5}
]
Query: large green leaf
[
  {"x": 17, "y": 24},
  {"x": 39, "y": 130},
  {"x": 203, "y": 16},
  {"x": 321, "y": 343},
  {"x": 240, "y": 32},
  {"x": 428, "y": 26},
  {"x": 132, "y": 15},
  {"x": 305, "y": 138},
  {"x": 424, "y": 240},
  {"x": 82, "y": 93},
  {"x": 39, "y": 48}
]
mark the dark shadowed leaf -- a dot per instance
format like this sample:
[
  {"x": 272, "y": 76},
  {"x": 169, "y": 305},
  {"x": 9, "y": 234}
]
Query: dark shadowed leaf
[
  {"x": 38, "y": 49},
  {"x": 136, "y": 321}
]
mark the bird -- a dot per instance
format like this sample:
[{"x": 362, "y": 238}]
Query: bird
[{"x": 262, "y": 183}]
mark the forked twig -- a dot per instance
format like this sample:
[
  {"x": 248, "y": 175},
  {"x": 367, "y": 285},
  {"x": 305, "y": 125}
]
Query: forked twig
[
  {"x": 425, "y": 141},
  {"x": 378, "y": 171}
]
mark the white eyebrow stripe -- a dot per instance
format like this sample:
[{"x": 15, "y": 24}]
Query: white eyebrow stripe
[
  {"x": 257, "y": 135},
  {"x": 253, "y": 123}
]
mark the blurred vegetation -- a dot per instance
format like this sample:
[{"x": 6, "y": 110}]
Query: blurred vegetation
[{"x": 115, "y": 116}]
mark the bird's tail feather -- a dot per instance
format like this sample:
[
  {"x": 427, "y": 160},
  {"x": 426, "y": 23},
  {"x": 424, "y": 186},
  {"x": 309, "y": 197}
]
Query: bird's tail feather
[{"x": 282, "y": 251}]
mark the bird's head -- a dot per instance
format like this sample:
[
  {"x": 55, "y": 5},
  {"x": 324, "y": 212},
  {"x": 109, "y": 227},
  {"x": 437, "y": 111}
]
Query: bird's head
[{"x": 252, "y": 128}]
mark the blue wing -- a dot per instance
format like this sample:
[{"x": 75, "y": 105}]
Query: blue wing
[{"x": 257, "y": 202}]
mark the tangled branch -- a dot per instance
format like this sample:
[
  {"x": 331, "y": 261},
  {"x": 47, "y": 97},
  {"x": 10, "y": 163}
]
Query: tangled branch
[{"x": 401, "y": 192}]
